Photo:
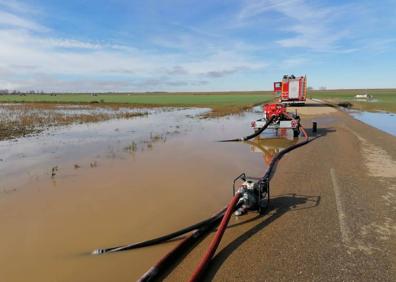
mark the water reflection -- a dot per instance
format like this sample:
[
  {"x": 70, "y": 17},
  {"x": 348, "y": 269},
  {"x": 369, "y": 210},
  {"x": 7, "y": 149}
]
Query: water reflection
[{"x": 269, "y": 147}]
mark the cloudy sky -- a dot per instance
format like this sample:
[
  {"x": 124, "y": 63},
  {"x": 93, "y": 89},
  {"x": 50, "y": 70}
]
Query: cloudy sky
[{"x": 179, "y": 45}]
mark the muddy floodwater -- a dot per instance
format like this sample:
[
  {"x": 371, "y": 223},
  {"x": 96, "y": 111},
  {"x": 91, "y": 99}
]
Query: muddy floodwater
[{"x": 72, "y": 189}]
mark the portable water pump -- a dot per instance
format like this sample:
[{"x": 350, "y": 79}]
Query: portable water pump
[{"x": 255, "y": 194}]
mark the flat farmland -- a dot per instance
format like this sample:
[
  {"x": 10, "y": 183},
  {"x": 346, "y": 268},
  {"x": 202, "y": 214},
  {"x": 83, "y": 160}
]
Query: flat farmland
[
  {"x": 383, "y": 99},
  {"x": 222, "y": 103}
]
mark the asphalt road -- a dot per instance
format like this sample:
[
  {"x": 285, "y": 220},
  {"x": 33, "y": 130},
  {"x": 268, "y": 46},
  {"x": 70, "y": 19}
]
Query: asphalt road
[{"x": 332, "y": 216}]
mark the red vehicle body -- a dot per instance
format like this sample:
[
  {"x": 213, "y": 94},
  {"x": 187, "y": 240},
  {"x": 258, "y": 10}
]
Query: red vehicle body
[{"x": 291, "y": 90}]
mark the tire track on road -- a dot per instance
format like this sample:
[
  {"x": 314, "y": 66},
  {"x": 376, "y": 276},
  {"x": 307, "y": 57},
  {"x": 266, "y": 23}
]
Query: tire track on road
[{"x": 344, "y": 229}]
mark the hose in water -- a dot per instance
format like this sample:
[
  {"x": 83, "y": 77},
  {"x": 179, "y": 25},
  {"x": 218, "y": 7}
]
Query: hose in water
[
  {"x": 258, "y": 132},
  {"x": 185, "y": 230},
  {"x": 163, "y": 238},
  {"x": 277, "y": 157},
  {"x": 171, "y": 257},
  {"x": 157, "y": 270}
]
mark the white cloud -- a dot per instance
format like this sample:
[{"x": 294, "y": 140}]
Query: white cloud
[
  {"x": 68, "y": 43},
  {"x": 318, "y": 37},
  {"x": 253, "y": 8},
  {"x": 31, "y": 58},
  {"x": 223, "y": 62},
  {"x": 17, "y": 6},
  {"x": 12, "y": 20},
  {"x": 28, "y": 55},
  {"x": 378, "y": 45},
  {"x": 312, "y": 25},
  {"x": 293, "y": 62},
  {"x": 57, "y": 56}
]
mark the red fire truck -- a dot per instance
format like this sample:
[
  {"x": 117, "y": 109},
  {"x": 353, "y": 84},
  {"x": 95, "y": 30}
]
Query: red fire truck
[{"x": 291, "y": 90}]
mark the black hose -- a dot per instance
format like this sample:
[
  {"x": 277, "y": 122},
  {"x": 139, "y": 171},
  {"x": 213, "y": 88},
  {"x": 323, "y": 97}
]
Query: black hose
[
  {"x": 163, "y": 238},
  {"x": 210, "y": 222},
  {"x": 278, "y": 156},
  {"x": 185, "y": 230},
  {"x": 258, "y": 132},
  {"x": 172, "y": 256},
  {"x": 198, "y": 225}
]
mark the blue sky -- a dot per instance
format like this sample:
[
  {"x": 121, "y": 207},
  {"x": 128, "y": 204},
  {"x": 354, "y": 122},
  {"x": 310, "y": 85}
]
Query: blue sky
[{"x": 185, "y": 45}]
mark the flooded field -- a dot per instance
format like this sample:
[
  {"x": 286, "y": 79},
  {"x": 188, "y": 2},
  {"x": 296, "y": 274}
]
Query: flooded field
[
  {"x": 17, "y": 120},
  {"x": 72, "y": 189}
]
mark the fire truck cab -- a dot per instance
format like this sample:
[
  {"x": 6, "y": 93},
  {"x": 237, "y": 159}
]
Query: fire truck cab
[{"x": 291, "y": 90}]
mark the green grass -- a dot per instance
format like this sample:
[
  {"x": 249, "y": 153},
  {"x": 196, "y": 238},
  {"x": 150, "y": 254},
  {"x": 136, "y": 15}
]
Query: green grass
[
  {"x": 221, "y": 102},
  {"x": 384, "y": 99}
]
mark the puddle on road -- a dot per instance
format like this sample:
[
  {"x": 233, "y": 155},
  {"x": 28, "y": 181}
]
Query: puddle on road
[
  {"x": 117, "y": 182},
  {"x": 381, "y": 120}
]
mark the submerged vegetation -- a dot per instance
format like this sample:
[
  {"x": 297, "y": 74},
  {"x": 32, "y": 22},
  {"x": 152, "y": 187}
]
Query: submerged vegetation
[{"x": 18, "y": 120}]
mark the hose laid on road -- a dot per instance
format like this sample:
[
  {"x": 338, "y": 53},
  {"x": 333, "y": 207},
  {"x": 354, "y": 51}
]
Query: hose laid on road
[
  {"x": 216, "y": 240},
  {"x": 163, "y": 238},
  {"x": 171, "y": 257},
  {"x": 205, "y": 260},
  {"x": 203, "y": 227},
  {"x": 166, "y": 261},
  {"x": 258, "y": 132}
]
